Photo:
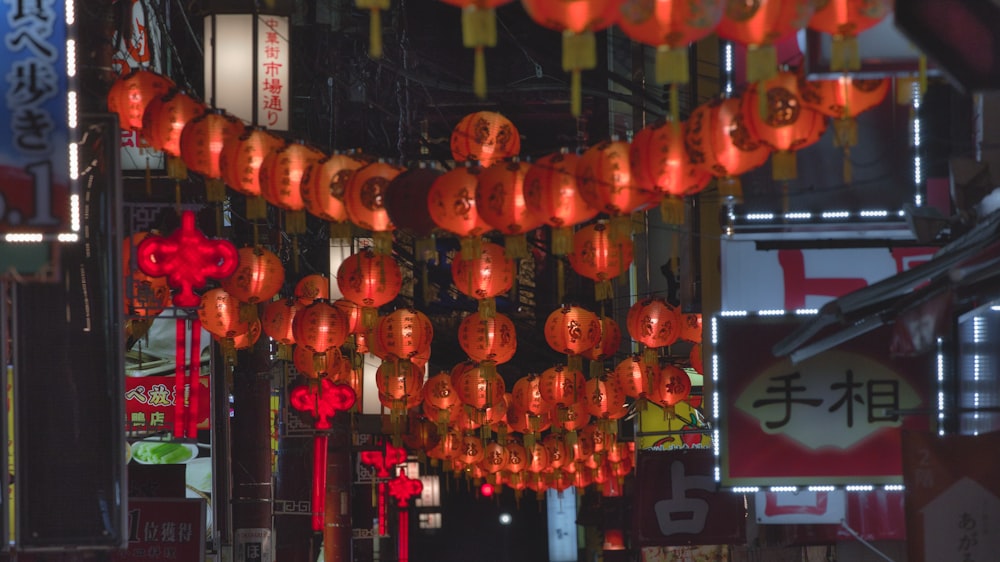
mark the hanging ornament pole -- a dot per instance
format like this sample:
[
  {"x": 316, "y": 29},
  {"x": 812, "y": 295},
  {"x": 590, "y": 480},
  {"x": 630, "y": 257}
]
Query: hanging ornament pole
[
  {"x": 187, "y": 258},
  {"x": 403, "y": 488}
]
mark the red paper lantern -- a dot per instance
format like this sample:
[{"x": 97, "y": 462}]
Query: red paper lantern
[
  {"x": 561, "y": 386},
  {"x": 636, "y": 376},
  {"x": 694, "y": 357},
  {"x": 691, "y": 327},
  {"x": 538, "y": 457},
  {"x": 671, "y": 386},
  {"x": 485, "y": 137},
  {"x": 242, "y": 158},
  {"x": 577, "y": 21},
  {"x": 451, "y": 203},
  {"x": 719, "y": 142},
  {"x": 281, "y": 174},
  {"x": 495, "y": 457},
  {"x": 606, "y": 182},
  {"x": 220, "y": 314},
  {"x": 312, "y": 287},
  {"x": 550, "y": 186},
  {"x": 572, "y": 329},
  {"x": 246, "y": 339},
  {"x": 405, "y": 200},
  {"x": 277, "y": 320},
  {"x": 500, "y": 202},
  {"x": 670, "y": 26},
  {"x": 485, "y": 277},
  {"x": 488, "y": 339},
  {"x": 369, "y": 280},
  {"x": 604, "y": 398},
  {"x": 572, "y": 417},
  {"x": 600, "y": 256},
  {"x": 399, "y": 385},
  {"x": 130, "y": 94},
  {"x": 761, "y": 24},
  {"x": 258, "y": 277},
  {"x": 527, "y": 396},
  {"x": 531, "y": 425},
  {"x": 654, "y": 322},
  {"x": 439, "y": 392},
  {"x": 844, "y": 20},
  {"x": 364, "y": 196},
  {"x": 319, "y": 327},
  {"x": 330, "y": 363},
  {"x": 609, "y": 342},
  {"x": 843, "y": 99},
  {"x": 324, "y": 185},
  {"x": 660, "y": 161},
  {"x": 203, "y": 139},
  {"x": 783, "y": 122},
  {"x": 558, "y": 454},
  {"x": 471, "y": 449},
  {"x": 476, "y": 389},
  {"x": 405, "y": 332},
  {"x": 165, "y": 118}
]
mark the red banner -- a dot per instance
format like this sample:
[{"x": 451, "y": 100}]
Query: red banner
[
  {"x": 149, "y": 404},
  {"x": 677, "y": 501},
  {"x": 165, "y": 530}
]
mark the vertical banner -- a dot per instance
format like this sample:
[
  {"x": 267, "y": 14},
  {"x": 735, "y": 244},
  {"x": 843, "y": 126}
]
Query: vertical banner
[
  {"x": 952, "y": 496},
  {"x": 677, "y": 501},
  {"x": 833, "y": 419},
  {"x": 164, "y": 530},
  {"x": 34, "y": 128}
]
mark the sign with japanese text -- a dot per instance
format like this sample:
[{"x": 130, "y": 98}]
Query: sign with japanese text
[
  {"x": 678, "y": 503},
  {"x": 252, "y": 545},
  {"x": 832, "y": 419},
  {"x": 800, "y": 508},
  {"x": 149, "y": 404},
  {"x": 164, "y": 530},
  {"x": 34, "y": 129},
  {"x": 952, "y": 496},
  {"x": 134, "y": 48},
  {"x": 251, "y": 86}
]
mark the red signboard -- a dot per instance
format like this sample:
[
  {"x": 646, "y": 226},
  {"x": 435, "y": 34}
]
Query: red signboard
[
  {"x": 165, "y": 530},
  {"x": 149, "y": 404},
  {"x": 677, "y": 501},
  {"x": 832, "y": 419}
]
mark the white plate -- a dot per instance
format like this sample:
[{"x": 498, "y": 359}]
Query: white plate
[
  {"x": 198, "y": 474},
  {"x": 142, "y": 452}
]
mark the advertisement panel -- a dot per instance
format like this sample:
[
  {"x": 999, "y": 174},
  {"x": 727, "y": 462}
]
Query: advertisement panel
[
  {"x": 677, "y": 501},
  {"x": 833, "y": 419},
  {"x": 34, "y": 145},
  {"x": 164, "y": 530}
]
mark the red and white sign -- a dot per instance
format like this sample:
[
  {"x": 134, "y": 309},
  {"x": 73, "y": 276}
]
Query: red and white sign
[
  {"x": 149, "y": 404},
  {"x": 165, "y": 530},
  {"x": 801, "y": 508},
  {"x": 792, "y": 279},
  {"x": 677, "y": 501},
  {"x": 832, "y": 419}
]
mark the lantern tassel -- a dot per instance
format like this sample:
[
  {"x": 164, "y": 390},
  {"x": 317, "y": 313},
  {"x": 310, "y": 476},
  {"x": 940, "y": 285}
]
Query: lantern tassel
[
  {"x": 248, "y": 312},
  {"x": 479, "y": 27},
  {"x": 574, "y": 362},
  {"x": 215, "y": 190},
  {"x": 382, "y": 242},
  {"x": 845, "y": 132},
  {"x": 375, "y": 34},
  {"x": 149, "y": 179},
  {"x": 762, "y": 62},
  {"x": 603, "y": 290},
  {"x": 575, "y": 94},
  {"x": 488, "y": 369},
  {"x": 560, "y": 280},
  {"x": 369, "y": 317},
  {"x": 672, "y": 210},
  {"x": 295, "y": 222},
  {"x": 487, "y": 308},
  {"x": 668, "y": 412},
  {"x": 479, "y": 73},
  {"x": 675, "y": 107},
  {"x": 472, "y": 247},
  {"x": 256, "y": 208},
  {"x": 730, "y": 189},
  {"x": 515, "y": 246},
  {"x": 671, "y": 65},
  {"x": 848, "y": 170},
  {"x": 620, "y": 227},
  {"x": 340, "y": 229},
  {"x": 596, "y": 369},
  {"x": 844, "y": 54},
  {"x": 650, "y": 356},
  {"x": 176, "y": 168},
  {"x": 562, "y": 240},
  {"x": 784, "y": 165}
]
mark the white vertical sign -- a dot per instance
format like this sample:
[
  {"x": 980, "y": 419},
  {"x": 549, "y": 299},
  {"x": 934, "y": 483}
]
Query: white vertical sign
[{"x": 561, "y": 511}]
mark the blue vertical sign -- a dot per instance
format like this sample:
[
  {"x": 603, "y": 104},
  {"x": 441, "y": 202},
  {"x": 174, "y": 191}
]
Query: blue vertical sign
[{"x": 34, "y": 136}]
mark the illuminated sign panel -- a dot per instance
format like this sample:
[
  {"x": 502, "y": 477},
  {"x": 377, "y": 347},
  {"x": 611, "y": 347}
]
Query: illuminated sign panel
[{"x": 40, "y": 111}]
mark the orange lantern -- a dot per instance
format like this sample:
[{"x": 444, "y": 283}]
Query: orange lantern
[
  {"x": 670, "y": 26},
  {"x": 369, "y": 280},
  {"x": 691, "y": 327},
  {"x": 130, "y": 94},
  {"x": 330, "y": 363},
  {"x": 671, "y": 386},
  {"x": 405, "y": 332},
  {"x": 654, "y": 323},
  {"x": 577, "y": 21},
  {"x": 240, "y": 163},
  {"x": 484, "y": 278},
  {"x": 144, "y": 295},
  {"x": 844, "y": 20},
  {"x": 485, "y": 137},
  {"x": 405, "y": 200},
  {"x": 451, "y": 203},
  {"x": 599, "y": 256},
  {"x": 528, "y": 424},
  {"x": 311, "y": 287},
  {"x": 572, "y": 418},
  {"x": 572, "y": 330},
  {"x": 324, "y": 186},
  {"x": 319, "y": 327},
  {"x": 258, "y": 277},
  {"x": 637, "y": 378},
  {"x": 422, "y": 436},
  {"x": 439, "y": 393},
  {"x": 495, "y": 457},
  {"x": 604, "y": 398},
  {"x": 694, "y": 357},
  {"x": 490, "y": 341},
  {"x": 476, "y": 389},
  {"x": 201, "y": 145},
  {"x": 517, "y": 456},
  {"x": 759, "y": 26},
  {"x": 785, "y": 124},
  {"x": 281, "y": 181},
  {"x": 219, "y": 313},
  {"x": 550, "y": 186},
  {"x": 399, "y": 386},
  {"x": 559, "y": 455},
  {"x": 479, "y": 29},
  {"x": 246, "y": 339},
  {"x": 561, "y": 387},
  {"x": 843, "y": 99},
  {"x": 606, "y": 183},
  {"x": 500, "y": 202},
  {"x": 355, "y": 327},
  {"x": 660, "y": 161},
  {"x": 363, "y": 198},
  {"x": 471, "y": 450},
  {"x": 719, "y": 141},
  {"x": 606, "y": 346},
  {"x": 164, "y": 121},
  {"x": 278, "y": 318},
  {"x": 538, "y": 457}
]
